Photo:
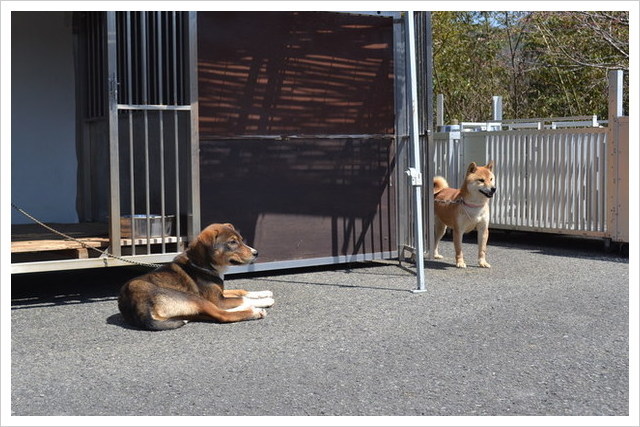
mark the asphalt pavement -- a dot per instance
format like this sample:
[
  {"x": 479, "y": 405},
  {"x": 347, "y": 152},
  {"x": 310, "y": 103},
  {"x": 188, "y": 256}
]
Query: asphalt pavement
[{"x": 543, "y": 332}]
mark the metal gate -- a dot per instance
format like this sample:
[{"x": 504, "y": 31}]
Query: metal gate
[{"x": 153, "y": 133}]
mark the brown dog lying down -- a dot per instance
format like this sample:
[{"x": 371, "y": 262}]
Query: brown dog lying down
[{"x": 191, "y": 287}]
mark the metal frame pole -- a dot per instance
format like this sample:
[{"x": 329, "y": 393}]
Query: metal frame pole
[
  {"x": 415, "y": 172},
  {"x": 114, "y": 156},
  {"x": 194, "y": 199}
]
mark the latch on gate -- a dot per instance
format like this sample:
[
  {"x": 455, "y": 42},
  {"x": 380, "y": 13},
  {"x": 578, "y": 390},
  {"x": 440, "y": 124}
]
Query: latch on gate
[{"x": 415, "y": 175}]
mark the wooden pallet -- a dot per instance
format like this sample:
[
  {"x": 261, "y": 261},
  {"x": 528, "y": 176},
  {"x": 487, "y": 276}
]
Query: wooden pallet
[
  {"x": 31, "y": 242},
  {"x": 35, "y": 239}
]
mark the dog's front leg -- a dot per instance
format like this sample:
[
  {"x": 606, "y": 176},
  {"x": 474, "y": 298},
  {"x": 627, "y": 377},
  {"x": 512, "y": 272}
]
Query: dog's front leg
[
  {"x": 256, "y": 299},
  {"x": 457, "y": 244},
  {"x": 248, "y": 294},
  {"x": 483, "y": 238},
  {"x": 236, "y": 314}
]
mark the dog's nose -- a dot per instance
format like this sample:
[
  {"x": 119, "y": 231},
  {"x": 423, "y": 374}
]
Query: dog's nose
[
  {"x": 493, "y": 190},
  {"x": 254, "y": 252}
]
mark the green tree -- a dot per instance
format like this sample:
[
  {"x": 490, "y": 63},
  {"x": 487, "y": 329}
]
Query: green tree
[
  {"x": 571, "y": 55},
  {"x": 465, "y": 48},
  {"x": 542, "y": 63}
]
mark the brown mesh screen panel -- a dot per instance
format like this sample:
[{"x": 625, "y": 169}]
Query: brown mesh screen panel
[{"x": 296, "y": 120}]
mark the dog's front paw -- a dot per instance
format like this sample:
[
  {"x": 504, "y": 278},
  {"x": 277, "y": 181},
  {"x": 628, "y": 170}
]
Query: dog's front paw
[
  {"x": 437, "y": 256},
  {"x": 259, "y": 294},
  {"x": 461, "y": 264},
  {"x": 261, "y": 302},
  {"x": 484, "y": 264}
]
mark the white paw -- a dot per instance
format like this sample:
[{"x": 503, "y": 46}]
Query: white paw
[
  {"x": 262, "y": 302},
  {"x": 461, "y": 264},
  {"x": 437, "y": 256},
  {"x": 484, "y": 264},
  {"x": 259, "y": 294}
]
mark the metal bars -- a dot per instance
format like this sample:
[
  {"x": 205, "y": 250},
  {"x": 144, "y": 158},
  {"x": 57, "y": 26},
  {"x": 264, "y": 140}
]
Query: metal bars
[
  {"x": 151, "y": 59},
  {"x": 448, "y": 157},
  {"x": 550, "y": 181},
  {"x": 151, "y": 128},
  {"x": 94, "y": 52}
]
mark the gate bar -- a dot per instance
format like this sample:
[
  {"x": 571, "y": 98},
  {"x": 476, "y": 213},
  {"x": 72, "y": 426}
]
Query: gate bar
[{"x": 114, "y": 155}]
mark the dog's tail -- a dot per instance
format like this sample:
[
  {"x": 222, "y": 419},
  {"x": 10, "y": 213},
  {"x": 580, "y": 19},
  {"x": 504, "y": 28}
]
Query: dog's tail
[{"x": 439, "y": 183}]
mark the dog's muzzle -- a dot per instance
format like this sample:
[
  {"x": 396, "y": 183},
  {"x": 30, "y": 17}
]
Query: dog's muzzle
[{"x": 488, "y": 192}]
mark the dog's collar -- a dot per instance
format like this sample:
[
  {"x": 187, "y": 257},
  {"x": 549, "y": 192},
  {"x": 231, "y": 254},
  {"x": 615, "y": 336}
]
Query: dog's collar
[
  {"x": 457, "y": 202},
  {"x": 212, "y": 274},
  {"x": 469, "y": 205}
]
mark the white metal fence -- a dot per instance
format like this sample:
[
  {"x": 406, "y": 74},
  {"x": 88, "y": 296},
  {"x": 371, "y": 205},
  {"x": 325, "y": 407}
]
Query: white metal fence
[
  {"x": 567, "y": 175},
  {"x": 550, "y": 180}
]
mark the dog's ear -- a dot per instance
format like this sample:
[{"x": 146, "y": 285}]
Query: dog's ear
[
  {"x": 490, "y": 165},
  {"x": 229, "y": 225},
  {"x": 472, "y": 168},
  {"x": 199, "y": 248},
  {"x": 209, "y": 235}
]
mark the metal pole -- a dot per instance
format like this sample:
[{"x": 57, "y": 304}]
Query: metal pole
[
  {"x": 615, "y": 95},
  {"x": 146, "y": 95},
  {"x": 114, "y": 156},
  {"x": 496, "y": 108},
  {"x": 429, "y": 149},
  {"x": 194, "y": 199},
  {"x": 132, "y": 186},
  {"x": 415, "y": 172},
  {"x": 174, "y": 61},
  {"x": 613, "y": 149},
  {"x": 160, "y": 83},
  {"x": 440, "y": 110}
]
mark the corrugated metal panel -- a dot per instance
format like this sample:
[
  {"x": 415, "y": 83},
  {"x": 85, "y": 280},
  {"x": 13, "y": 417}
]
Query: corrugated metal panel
[{"x": 549, "y": 180}]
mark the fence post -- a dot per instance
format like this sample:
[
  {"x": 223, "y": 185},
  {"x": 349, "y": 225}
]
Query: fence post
[
  {"x": 615, "y": 94},
  {"x": 617, "y": 183},
  {"x": 496, "y": 108},
  {"x": 439, "y": 111}
]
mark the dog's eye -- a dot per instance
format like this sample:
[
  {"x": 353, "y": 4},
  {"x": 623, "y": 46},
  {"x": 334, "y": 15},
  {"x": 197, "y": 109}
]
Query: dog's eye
[
  {"x": 233, "y": 242},
  {"x": 481, "y": 180}
]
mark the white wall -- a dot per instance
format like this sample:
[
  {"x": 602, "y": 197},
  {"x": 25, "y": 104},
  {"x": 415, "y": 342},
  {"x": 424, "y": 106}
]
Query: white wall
[{"x": 43, "y": 133}]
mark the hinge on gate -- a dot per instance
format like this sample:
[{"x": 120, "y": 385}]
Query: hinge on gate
[
  {"x": 113, "y": 87},
  {"x": 415, "y": 175}
]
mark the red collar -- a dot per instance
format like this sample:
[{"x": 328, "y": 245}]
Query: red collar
[{"x": 469, "y": 205}]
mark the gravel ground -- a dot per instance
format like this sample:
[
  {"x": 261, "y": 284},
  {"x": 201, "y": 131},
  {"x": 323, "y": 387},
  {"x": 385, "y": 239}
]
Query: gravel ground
[{"x": 543, "y": 332}]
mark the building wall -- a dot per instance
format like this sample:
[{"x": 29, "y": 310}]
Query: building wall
[{"x": 43, "y": 129}]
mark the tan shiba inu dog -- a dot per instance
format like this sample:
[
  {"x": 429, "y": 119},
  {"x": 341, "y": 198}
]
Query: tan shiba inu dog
[{"x": 465, "y": 209}]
